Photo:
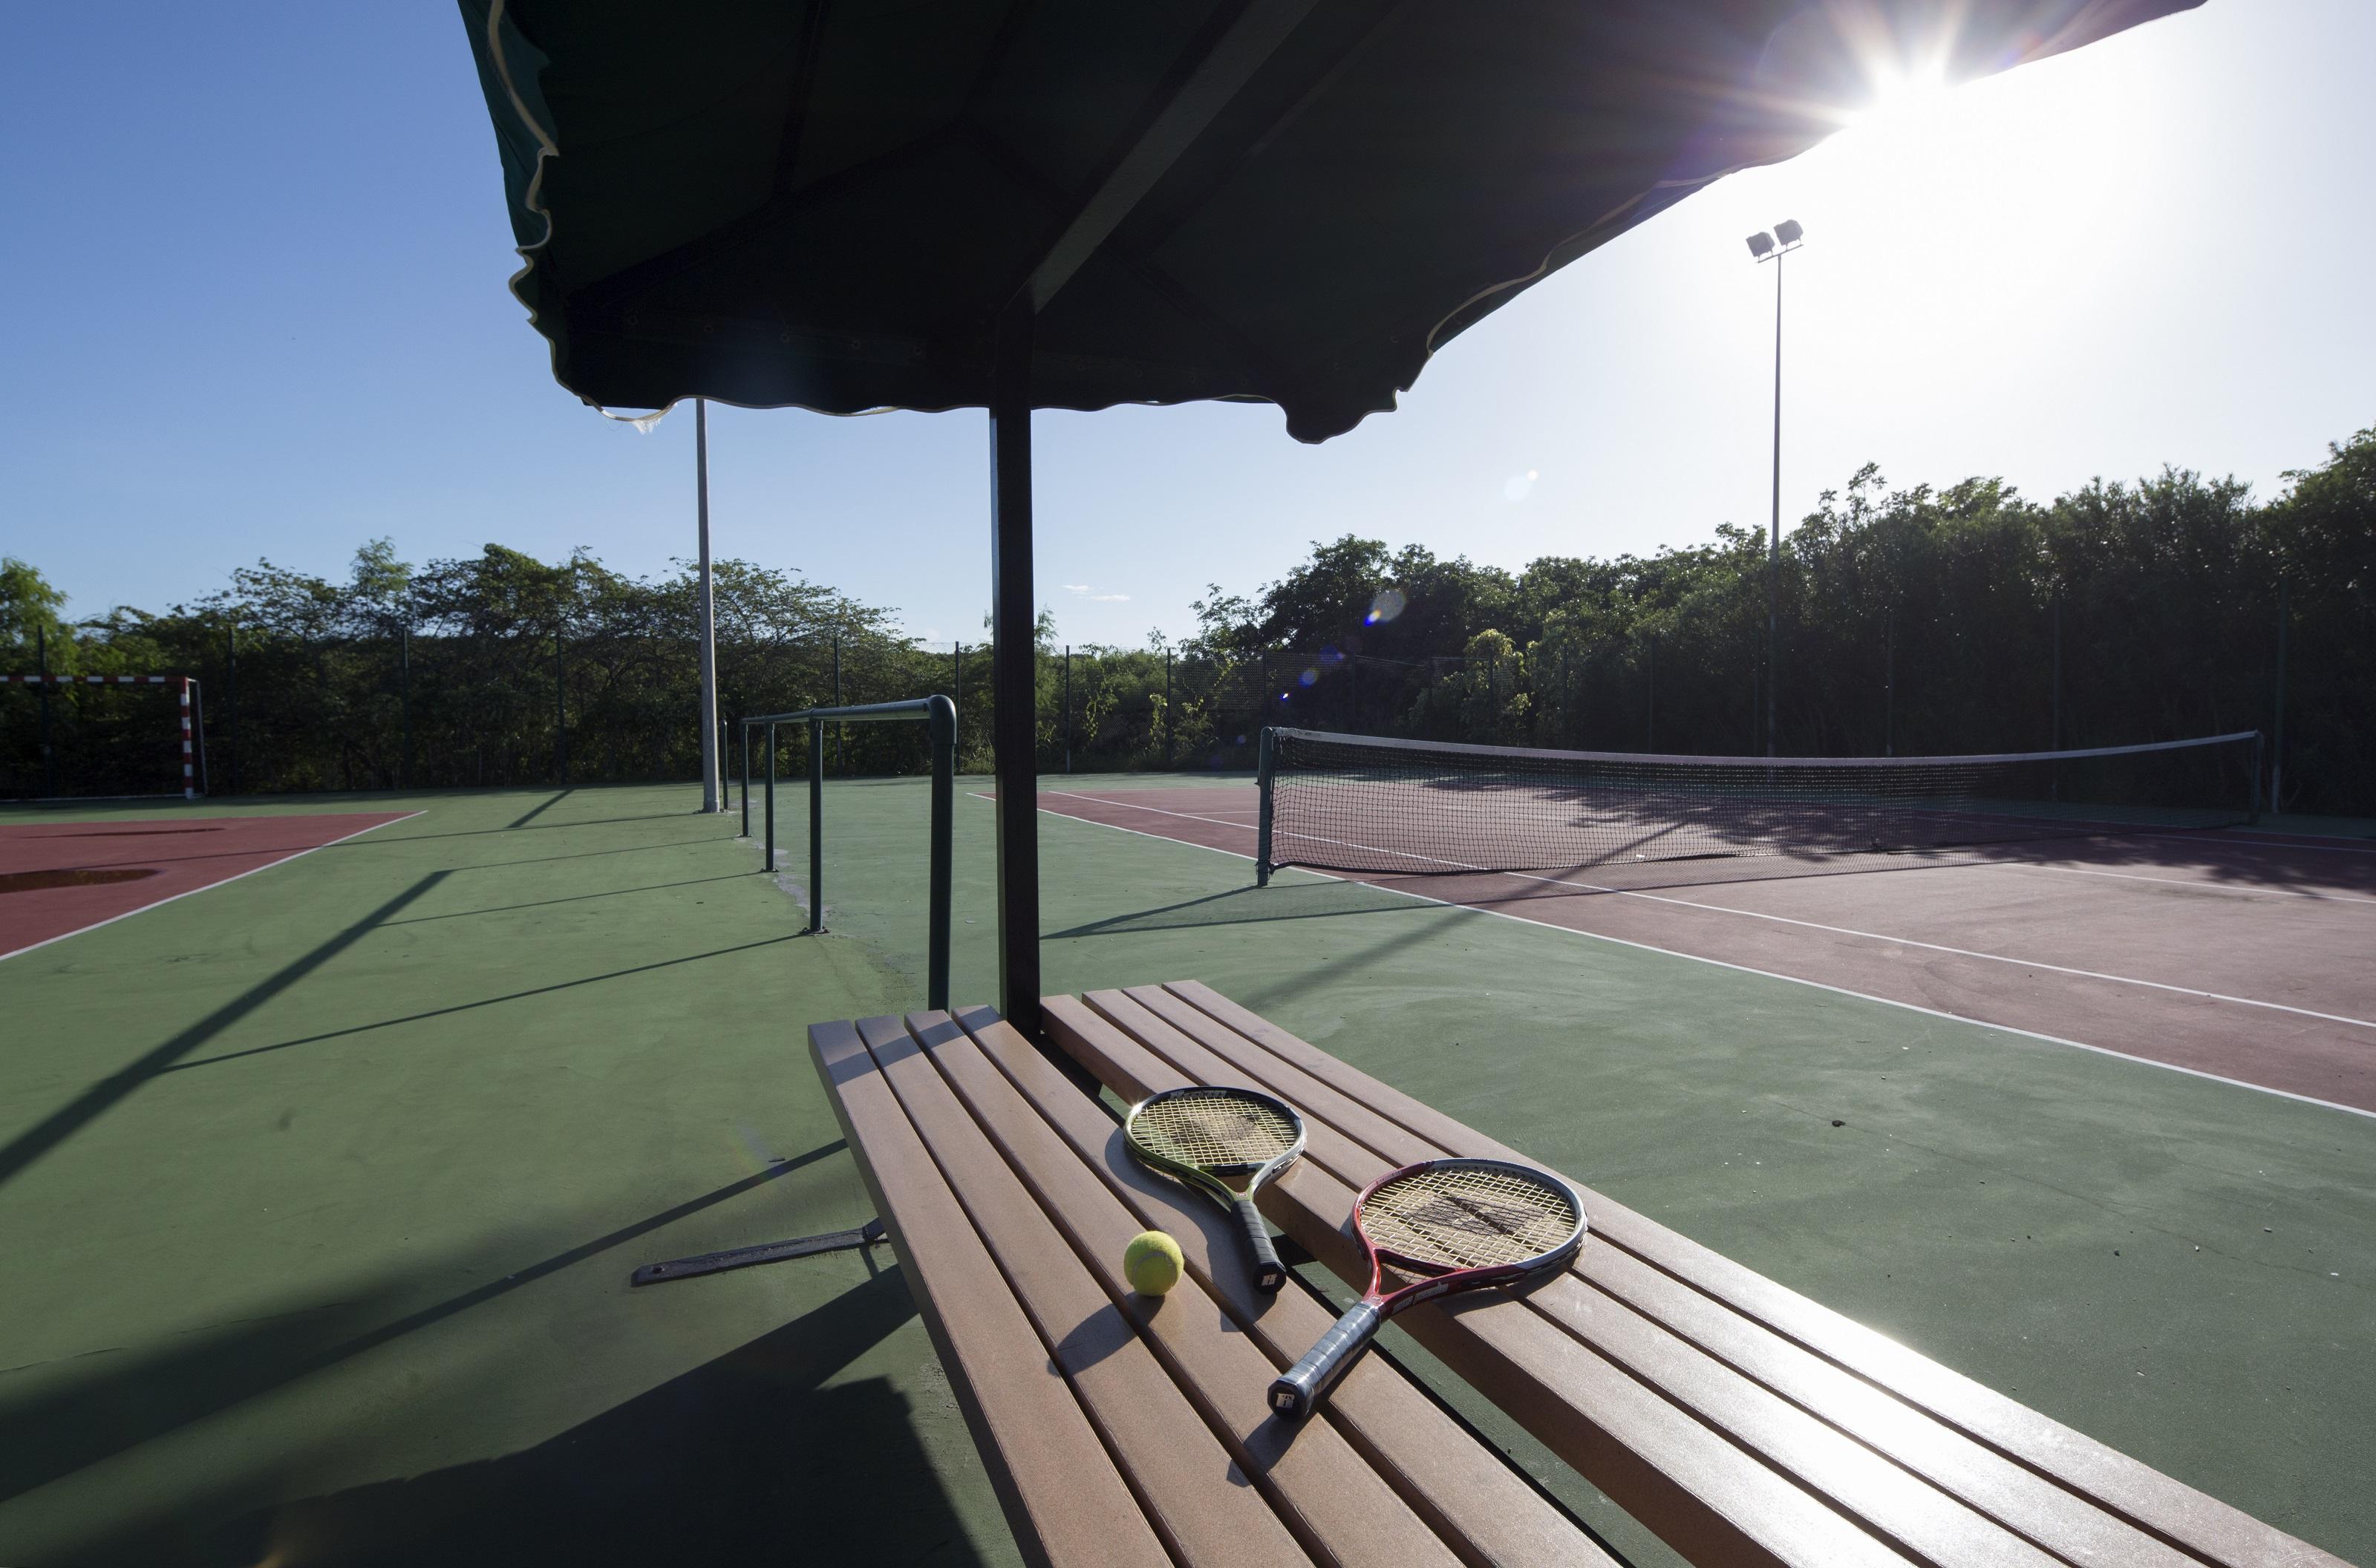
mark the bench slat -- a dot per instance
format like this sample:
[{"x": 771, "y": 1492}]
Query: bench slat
[
  {"x": 1334, "y": 1502},
  {"x": 2017, "y": 1499},
  {"x": 1061, "y": 1496},
  {"x": 1463, "y": 1490},
  {"x": 1704, "y": 1495},
  {"x": 2126, "y": 1487},
  {"x": 1899, "y": 1505},
  {"x": 1199, "y": 1498}
]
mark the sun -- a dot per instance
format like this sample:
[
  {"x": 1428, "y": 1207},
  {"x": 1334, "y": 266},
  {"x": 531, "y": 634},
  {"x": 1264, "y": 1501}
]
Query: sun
[{"x": 1903, "y": 94}]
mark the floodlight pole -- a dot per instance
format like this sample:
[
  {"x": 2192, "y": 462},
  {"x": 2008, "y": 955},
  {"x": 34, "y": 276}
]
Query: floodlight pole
[
  {"x": 1013, "y": 678},
  {"x": 1773, "y": 534},
  {"x": 705, "y": 614}
]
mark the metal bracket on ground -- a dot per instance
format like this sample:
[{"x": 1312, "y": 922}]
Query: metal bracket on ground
[{"x": 865, "y": 1235}]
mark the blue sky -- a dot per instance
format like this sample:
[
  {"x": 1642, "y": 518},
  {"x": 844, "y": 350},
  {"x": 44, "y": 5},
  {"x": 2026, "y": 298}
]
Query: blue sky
[{"x": 254, "y": 261}]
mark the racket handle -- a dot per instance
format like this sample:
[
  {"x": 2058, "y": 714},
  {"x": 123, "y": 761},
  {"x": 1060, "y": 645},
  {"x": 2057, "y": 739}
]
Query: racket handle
[
  {"x": 1295, "y": 1391},
  {"x": 1269, "y": 1272}
]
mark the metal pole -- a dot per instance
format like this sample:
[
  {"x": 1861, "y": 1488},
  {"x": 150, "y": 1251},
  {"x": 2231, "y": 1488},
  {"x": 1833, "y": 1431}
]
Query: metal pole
[
  {"x": 49, "y": 753},
  {"x": 840, "y": 731},
  {"x": 746, "y": 780},
  {"x": 1067, "y": 723},
  {"x": 1265, "y": 750},
  {"x": 1169, "y": 721},
  {"x": 2278, "y": 737},
  {"x": 767, "y": 861},
  {"x": 940, "y": 727},
  {"x": 1014, "y": 675},
  {"x": 231, "y": 695},
  {"x": 1352, "y": 695},
  {"x": 1889, "y": 685},
  {"x": 1774, "y": 538},
  {"x": 816, "y": 825},
  {"x": 2054, "y": 739},
  {"x": 706, "y": 617},
  {"x": 404, "y": 704},
  {"x": 1651, "y": 699},
  {"x": 559, "y": 711}
]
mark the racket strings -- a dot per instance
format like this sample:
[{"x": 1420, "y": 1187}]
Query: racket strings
[
  {"x": 1469, "y": 1217},
  {"x": 1213, "y": 1130}
]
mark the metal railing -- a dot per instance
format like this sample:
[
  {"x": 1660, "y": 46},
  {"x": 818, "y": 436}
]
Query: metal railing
[{"x": 939, "y": 716}]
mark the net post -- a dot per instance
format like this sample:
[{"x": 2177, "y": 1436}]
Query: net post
[
  {"x": 2255, "y": 769},
  {"x": 816, "y": 825},
  {"x": 941, "y": 726},
  {"x": 768, "y": 863},
  {"x": 1266, "y": 752}
]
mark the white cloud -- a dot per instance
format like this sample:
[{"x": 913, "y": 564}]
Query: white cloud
[
  {"x": 1110, "y": 599},
  {"x": 1077, "y": 587}
]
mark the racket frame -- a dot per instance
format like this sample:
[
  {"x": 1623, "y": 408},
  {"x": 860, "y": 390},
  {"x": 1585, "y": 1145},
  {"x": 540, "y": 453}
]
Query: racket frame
[
  {"x": 1269, "y": 1272},
  {"x": 1297, "y": 1390}
]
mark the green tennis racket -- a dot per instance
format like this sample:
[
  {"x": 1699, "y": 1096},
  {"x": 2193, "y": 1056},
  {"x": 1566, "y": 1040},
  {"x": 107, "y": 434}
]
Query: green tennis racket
[{"x": 1225, "y": 1143}]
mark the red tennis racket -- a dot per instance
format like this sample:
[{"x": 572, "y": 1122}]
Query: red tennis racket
[{"x": 1456, "y": 1224}]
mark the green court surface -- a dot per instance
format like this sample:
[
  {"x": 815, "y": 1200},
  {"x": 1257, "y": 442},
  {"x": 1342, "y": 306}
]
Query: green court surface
[{"x": 322, "y": 1187}]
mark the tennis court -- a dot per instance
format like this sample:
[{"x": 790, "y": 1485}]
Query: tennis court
[
  {"x": 338, "y": 1172},
  {"x": 2237, "y": 954}
]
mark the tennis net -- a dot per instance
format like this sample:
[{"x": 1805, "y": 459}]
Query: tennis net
[{"x": 1371, "y": 803}]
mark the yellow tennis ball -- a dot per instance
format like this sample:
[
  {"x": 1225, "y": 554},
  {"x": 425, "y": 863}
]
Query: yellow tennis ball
[{"x": 1151, "y": 1263}]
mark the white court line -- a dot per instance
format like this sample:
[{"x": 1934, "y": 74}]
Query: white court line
[
  {"x": 294, "y": 854},
  {"x": 1723, "y": 964},
  {"x": 2182, "y": 882},
  {"x": 2319, "y": 846},
  {"x": 1810, "y": 925}
]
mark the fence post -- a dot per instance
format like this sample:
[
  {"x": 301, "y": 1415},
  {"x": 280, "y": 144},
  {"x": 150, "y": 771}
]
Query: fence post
[
  {"x": 746, "y": 779},
  {"x": 1169, "y": 720},
  {"x": 2277, "y": 739},
  {"x": 404, "y": 705},
  {"x": 840, "y": 731},
  {"x": 1889, "y": 683},
  {"x": 941, "y": 730},
  {"x": 559, "y": 712},
  {"x": 1067, "y": 723},
  {"x": 1650, "y": 698},
  {"x": 768, "y": 862},
  {"x": 957, "y": 686},
  {"x": 1264, "y": 749},
  {"x": 231, "y": 694},
  {"x": 816, "y": 825},
  {"x": 49, "y": 753}
]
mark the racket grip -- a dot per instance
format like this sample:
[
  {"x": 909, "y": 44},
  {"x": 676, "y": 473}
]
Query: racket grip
[
  {"x": 1295, "y": 1391},
  {"x": 1269, "y": 1272}
]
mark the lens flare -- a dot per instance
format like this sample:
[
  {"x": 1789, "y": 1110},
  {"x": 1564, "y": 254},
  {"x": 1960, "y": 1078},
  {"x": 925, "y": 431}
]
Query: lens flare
[{"x": 1384, "y": 608}]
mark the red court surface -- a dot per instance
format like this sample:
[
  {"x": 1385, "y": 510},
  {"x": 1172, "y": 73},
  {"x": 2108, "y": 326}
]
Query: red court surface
[
  {"x": 2244, "y": 956},
  {"x": 58, "y": 878}
]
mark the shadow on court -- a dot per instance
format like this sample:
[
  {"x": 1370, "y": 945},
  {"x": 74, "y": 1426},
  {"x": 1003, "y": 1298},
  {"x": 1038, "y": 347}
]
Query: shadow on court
[{"x": 750, "y": 1458}]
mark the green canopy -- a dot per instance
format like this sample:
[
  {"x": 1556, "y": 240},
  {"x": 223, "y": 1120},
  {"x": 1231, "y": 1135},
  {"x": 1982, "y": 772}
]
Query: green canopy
[{"x": 824, "y": 206}]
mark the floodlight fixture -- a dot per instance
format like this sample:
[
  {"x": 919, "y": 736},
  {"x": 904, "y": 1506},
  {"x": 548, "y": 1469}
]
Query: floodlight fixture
[
  {"x": 1761, "y": 245},
  {"x": 1789, "y": 231}
]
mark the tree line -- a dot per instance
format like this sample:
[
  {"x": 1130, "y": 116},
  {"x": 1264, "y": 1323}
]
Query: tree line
[{"x": 1913, "y": 621}]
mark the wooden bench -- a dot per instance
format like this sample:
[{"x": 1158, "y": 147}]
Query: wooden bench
[{"x": 1738, "y": 1420}]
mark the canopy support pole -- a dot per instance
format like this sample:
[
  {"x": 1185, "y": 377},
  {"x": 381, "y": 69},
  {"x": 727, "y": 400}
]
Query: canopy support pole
[
  {"x": 706, "y": 615},
  {"x": 1014, "y": 678}
]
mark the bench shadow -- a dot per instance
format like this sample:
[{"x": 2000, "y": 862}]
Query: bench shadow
[{"x": 749, "y": 1459}]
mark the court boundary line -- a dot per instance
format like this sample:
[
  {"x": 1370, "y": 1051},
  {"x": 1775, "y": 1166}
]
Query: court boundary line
[
  {"x": 1726, "y": 964},
  {"x": 188, "y": 892}
]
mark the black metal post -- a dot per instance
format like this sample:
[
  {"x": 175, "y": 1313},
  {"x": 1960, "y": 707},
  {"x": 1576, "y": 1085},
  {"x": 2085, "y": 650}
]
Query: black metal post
[
  {"x": 1066, "y": 722},
  {"x": 1889, "y": 685},
  {"x": 767, "y": 860},
  {"x": 1651, "y": 699},
  {"x": 1266, "y": 745},
  {"x": 49, "y": 754},
  {"x": 559, "y": 712},
  {"x": 840, "y": 734},
  {"x": 1013, "y": 673},
  {"x": 1352, "y": 695},
  {"x": 1169, "y": 720},
  {"x": 816, "y": 825},
  {"x": 941, "y": 723},
  {"x": 2277, "y": 724},
  {"x": 231, "y": 695},
  {"x": 404, "y": 704},
  {"x": 746, "y": 782},
  {"x": 2054, "y": 739}
]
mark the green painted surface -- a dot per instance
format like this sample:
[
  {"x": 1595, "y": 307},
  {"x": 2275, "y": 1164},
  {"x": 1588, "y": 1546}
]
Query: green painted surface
[{"x": 347, "y": 1272}]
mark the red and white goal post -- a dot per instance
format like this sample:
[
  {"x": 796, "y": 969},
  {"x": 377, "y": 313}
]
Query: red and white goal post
[{"x": 192, "y": 751}]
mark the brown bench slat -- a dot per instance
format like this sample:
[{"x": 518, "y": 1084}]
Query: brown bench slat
[
  {"x": 1706, "y": 1497},
  {"x": 2126, "y": 1487},
  {"x": 1061, "y": 1495},
  {"x": 1200, "y": 1498},
  {"x": 2018, "y": 1499},
  {"x": 1897, "y": 1505},
  {"x": 1464, "y": 1489}
]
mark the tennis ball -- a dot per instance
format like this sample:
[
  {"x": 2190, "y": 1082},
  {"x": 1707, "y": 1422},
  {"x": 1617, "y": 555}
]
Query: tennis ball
[{"x": 1151, "y": 1263}]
